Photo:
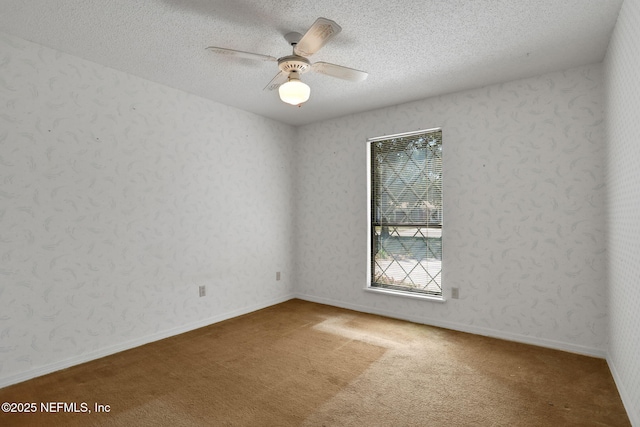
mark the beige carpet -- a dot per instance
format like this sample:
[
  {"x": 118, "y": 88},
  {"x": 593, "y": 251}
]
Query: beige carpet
[{"x": 300, "y": 363}]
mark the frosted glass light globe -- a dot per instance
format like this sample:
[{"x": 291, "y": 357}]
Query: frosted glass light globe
[{"x": 294, "y": 92}]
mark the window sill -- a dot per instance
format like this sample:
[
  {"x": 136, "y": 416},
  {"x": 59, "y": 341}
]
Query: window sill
[{"x": 414, "y": 295}]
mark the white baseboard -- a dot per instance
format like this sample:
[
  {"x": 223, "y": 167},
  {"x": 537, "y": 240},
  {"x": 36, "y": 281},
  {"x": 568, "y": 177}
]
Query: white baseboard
[
  {"x": 478, "y": 330},
  {"x": 106, "y": 351},
  {"x": 63, "y": 364},
  {"x": 632, "y": 411}
]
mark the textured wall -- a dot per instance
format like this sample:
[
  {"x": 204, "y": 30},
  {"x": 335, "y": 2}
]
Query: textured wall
[
  {"x": 118, "y": 197},
  {"x": 622, "y": 68},
  {"x": 524, "y": 230}
]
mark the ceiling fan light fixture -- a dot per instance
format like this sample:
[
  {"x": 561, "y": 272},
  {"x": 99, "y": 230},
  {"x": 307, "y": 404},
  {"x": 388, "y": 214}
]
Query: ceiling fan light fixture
[
  {"x": 294, "y": 92},
  {"x": 287, "y": 81}
]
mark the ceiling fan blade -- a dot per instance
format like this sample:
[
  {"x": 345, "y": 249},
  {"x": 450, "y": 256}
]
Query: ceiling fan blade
[
  {"x": 280, "y": 79},
  {"x": 317, "y": 36},
  {"x": 241, "y": 54},
  {"x": 344, "y": 73}
]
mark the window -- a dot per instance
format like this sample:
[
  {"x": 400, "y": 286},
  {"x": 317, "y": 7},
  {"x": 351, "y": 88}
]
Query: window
[{"x": 405, "y": 213}]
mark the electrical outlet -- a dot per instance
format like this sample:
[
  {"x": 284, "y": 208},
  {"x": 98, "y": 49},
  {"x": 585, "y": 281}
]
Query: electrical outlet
[
  {"x": 202, "y": 291},
  {"x": 277, "y": 275},
  {"x": 455, "y": 294}
]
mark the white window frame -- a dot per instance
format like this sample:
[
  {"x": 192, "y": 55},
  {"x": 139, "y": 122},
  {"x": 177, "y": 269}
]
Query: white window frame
[{"x": 369, "y": 284}]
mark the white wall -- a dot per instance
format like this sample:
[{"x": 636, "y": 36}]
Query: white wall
[
  {"x": 622, "y": 70},
  {"x": 524, "y": 232},
  {"x": 118, "y": 197}
]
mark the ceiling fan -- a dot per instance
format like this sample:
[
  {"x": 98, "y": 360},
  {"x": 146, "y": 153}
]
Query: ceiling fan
[{"x": 291, "y": 89}]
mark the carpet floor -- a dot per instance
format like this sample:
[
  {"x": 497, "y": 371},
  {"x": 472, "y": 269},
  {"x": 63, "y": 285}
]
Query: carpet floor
[{"x": 304, "y": 364}]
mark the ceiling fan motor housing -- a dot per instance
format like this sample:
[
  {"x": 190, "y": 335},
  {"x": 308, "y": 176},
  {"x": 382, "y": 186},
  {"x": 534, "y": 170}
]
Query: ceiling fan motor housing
[{"x": 294, "y": 63}]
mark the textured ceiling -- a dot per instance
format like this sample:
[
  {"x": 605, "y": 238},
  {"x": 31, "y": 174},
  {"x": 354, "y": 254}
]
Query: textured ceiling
[{"x": 411, "y": 49}]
